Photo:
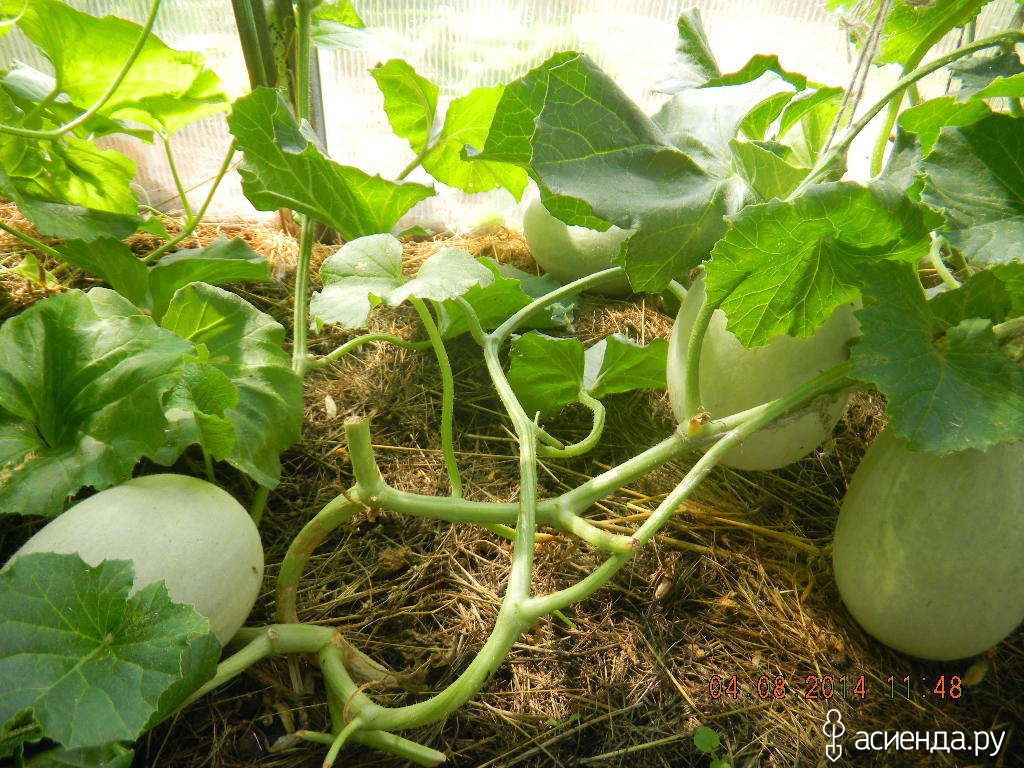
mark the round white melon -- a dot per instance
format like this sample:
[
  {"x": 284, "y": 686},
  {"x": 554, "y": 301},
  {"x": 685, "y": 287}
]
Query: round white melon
[
  {"x": 734, "y": 378},
  {"x": 184, "y": 531},
  {"x": 568, "y": 253},
  {"x": 929, "y": 550}
]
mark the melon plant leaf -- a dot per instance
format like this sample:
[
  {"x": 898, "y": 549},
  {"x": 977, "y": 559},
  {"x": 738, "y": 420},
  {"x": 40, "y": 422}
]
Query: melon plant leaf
[
  {"x": 91, "y": 662},
  {"x": 66, "y": 220},
  {"x": 368, "y": 271},
  {"x": 550, "y": 373},
  {"x": 757, "y": 66},
  {"x": 996, "y": 294},
  {"x": 467, "y": 122},
  {"x": 948, "y": 383},
  {"x": 108, "y": 756},
  {"x": 113, "y": 262},
  {"x": 70, "y": 171},
  {"x": 618, "y": 364},
  {"x": 694, "y": 63},
  {"x": 221, "y": 262},
  {"x": 245, "y": 346},
  {"x": 410, "y": 101},
  {"x": 984, "y": 76},
  {"x": 28, "y": 87},
  {"x": 81, "y": 383},
  {"x": 911, "y": 27},
  {"x": 785, "y": 266},
  {"x": 599, "y": 159},
  {"x": 929, "y": 118},
  {"x": 510, "y": 291},
  {"x": 767, "y": 171},
  {"x": 283, "y": 168},
  {"x": 546, "y": 372},
  {"x": 165, "y": 89},
  {"x": 975, "y": 178},
  {"x": 338, "y": 26}
]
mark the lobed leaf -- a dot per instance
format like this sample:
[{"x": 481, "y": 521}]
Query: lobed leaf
[
  {"x": 975, "y": 178},
  {"x": 283, "y": 168},
  {"x": 368, "y": 271},
  {"x": 785, "y": 266},
  {"x": 165, "y": 89},
  {"x": 242, "y": 400},
  {"x": 410, "y": 101},
  {"x": 949, "y": 385},
  {"x": 90, "y": 662},
  {"x": 467, "y": 123},
  {"x": 81, "y": 384},
  {"x": 549, "y": 373}
]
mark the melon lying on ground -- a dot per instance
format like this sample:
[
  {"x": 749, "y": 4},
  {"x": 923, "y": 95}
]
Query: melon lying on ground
[
  {"x": 182, "y": 530},
  {"x": 568, "y": 253},
  {"x": 734, "y": 378},
  {"x": 929, "y": 549}
]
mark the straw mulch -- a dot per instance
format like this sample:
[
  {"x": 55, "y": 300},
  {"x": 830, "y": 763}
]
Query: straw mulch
[{"x": 739, "y": 584}]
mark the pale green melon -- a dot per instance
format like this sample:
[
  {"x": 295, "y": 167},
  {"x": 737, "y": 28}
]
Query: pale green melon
[
  {"x": 733, "y": 378},
  {"x": 568, "y": 253},
  {"x": 184, "y": 531},
  {"x": 929, "y": 550}
]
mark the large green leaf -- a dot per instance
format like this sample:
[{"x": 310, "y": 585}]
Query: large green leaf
[
  {"x": 989, "y": 75},
  {"x": 222, "y": 261},
  {"x": 929, "y": 118},
  {"x": 694, "y": 63},
  {"x": 66, "y": 220},
  {"x": 245, "y": 403},
  {"x": 949, "y": 385},
  {"x": 81, "y": 382},
  {"x": 467, "y": 123},
  {"x": 493, "y": 303},
  {"x": 912, "y": 27},
  {"x": 367, "y": 272},
  {"x": 92, "y": 663},
  {"x": 550, "y": 373},
  {"x": 165, "y": 89},
  {"x": 976, "y": 178},
  {"x": 76, "y": 172},
  {"x": 410, "y": 101},
  {"x": 599, "y": 159},
  {"x": 785, "y": 266},
  {"x": 283, "y": 168},
  {"x": 113, "y": 262}
]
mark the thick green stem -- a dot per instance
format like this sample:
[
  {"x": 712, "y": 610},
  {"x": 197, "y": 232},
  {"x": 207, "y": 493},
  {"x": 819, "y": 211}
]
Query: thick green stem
[
  {"x": 828, "y": 381},
  {"x": 447, "y": 395},
  {"x": 303, "y": 58},
  {"x": 261, "y": 643},
  {"x": 340, "y": 739},
  {"x": 693, "y": 403},
  {"x": 300, "y": 308},
  {"x": 589, "y": 442},
  {"x": 107, "y": 95},
  {"x": 317, "y": 363},
  {"x": 338, "y": 511},
  {"x": 841, "y": 147},
  {"x": 258, "y": 504},
  {"x": 191, "y": 224}
]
